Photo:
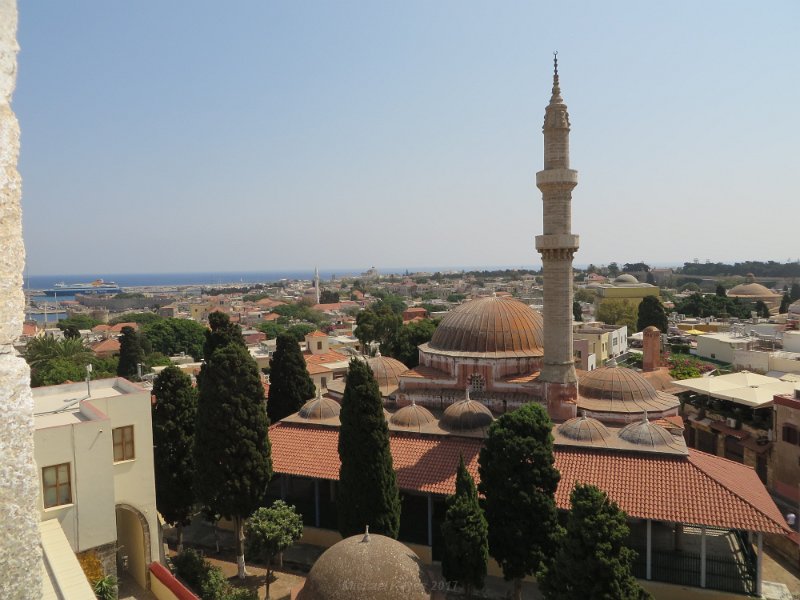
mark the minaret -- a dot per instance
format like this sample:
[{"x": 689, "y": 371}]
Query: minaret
[
  {"x": 557, "y": 246},
  {"x": 316, "y": 282}
]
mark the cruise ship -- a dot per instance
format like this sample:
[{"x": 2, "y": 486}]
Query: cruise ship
[{"x": 98, "y": 286}]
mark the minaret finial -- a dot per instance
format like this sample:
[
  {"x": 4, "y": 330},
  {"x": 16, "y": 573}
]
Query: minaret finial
[
  {"x": 366, "y": 535},
  {"x": 556, "y": 98}
]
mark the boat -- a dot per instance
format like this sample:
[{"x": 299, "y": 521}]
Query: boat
[{"x": 98, "y": 286}]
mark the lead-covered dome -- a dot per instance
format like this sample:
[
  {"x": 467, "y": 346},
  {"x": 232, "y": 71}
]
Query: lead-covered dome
[
  {"x": 387, "y": 372},
  {"x": 367, "y": 567},
  {"x": 646, "y": 433},
  {"x": 613, "y": 389},
  {"x": 320, "y": 408},
  {"x": 466, "y": 414},
  {"x": 626, "y": 279},
  {"x": 584, "y": 429},
  {"x": 491, "y": 325},
  {"x": 413, "y": 417}
]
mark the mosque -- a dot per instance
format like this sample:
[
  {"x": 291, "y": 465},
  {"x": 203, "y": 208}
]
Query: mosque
[{"x": 612, "y": 429}]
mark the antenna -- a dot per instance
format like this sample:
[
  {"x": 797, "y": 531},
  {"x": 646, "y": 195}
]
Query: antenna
[{"x": 89, "y": 379}]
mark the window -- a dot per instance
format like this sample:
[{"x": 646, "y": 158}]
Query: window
[
  {"x": 789, "y": 434},
  {"x": 123, "y": 443},
  {"x": 476, "y": 382},
  {"x": 56, "y": 485},
  {"x": 319, "y": 345}
]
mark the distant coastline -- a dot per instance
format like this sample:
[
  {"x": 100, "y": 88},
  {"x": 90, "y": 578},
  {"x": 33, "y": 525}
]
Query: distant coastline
[{"x": 38, "y": 282}]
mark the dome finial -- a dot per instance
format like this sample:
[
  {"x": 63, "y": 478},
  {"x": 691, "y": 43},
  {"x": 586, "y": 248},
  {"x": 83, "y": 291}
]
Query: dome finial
[
  {"x": 644, "y": 418},
  {"x": 583, "y": 414},
  {"x": 466, "y": 389},
  {"x": 611, "y": 362},
  {"x": 366, "y": 535}
]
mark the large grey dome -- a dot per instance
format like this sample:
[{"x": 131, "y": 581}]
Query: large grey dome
[{"x": 372, "y": 567}]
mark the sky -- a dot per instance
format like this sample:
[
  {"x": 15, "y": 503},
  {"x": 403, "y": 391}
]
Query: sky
[{"x": 207, "y": 136}]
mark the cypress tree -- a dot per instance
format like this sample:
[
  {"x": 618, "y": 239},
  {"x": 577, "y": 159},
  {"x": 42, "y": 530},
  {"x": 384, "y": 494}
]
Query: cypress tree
[
  {"x": 130, "y": 353},
  {"x": 518, "y": 481},
  {"x": 221, "y": 333},
  {"x": 794, "y": 292},
  {"x": 290, "y": 383},
  {"x": 651, "y": 312},
  {"x": 466, "y": 545},
  {"x": 577, "y": 311},
  {"x": 368, "y": 493},
  {"x": 785, "y": 302},
  {"x": 174, "y": 415},
  {"x": 232, "y": 450},
  {"x": 593, "y": 561}
]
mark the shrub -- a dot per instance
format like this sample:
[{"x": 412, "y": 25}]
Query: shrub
[
  {"x": 105, "y": 588},
  {"x": 208, "y": 581}
]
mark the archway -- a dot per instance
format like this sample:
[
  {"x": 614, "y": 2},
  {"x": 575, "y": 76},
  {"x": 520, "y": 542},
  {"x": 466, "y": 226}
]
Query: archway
[{"x": 133, "y": 545}]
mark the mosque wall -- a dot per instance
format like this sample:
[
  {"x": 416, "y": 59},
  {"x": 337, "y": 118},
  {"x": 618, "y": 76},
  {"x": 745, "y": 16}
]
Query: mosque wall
[{"x": 20, "y": 554}]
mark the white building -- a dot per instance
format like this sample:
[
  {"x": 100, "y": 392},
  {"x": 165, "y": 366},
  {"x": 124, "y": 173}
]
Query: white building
[{"x": 94, "y": 456}]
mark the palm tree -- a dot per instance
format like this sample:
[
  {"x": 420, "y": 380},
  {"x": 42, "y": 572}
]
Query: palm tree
[{"x": 41, "y": 350}]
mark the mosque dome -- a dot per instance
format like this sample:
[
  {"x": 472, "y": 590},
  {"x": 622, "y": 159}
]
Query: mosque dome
[
  {"x": 750, "y": 290},
  {"x": 412, "y": 416},
  {"x": 466, "y": 414},
  {"x": 645, "y": 433},
  {"x": 491, "y": 325},
  {"x": 794, "y": 308},
  {"x": 320, "y": 408},
  {"x": 387, "y": 372},
  {"x": 367, "y": 567},
  {"x": 626, "y": 279},
  {"x": 613, "y": 389},
  {"x": 584, "y": 429}
]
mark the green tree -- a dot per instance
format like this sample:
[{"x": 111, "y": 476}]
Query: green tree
[
  {"x": 140, "y": 318},
  {"x": 299, "y": 331},
  {"x": 56, "y": 371},
  {"x": 71, "y": 332},
  {"x": 519, "y": 480},
  {"x": 42, "y": 349},
  {"x": 584, "y": 295},
  {"x": 465, "y": 531},
  {"x": 617, "y": 312},
  {"x": 79, "y": 321},
  {"x": 270, "y": 531},
  {"x": 377, "y": 324},
  {"x": 221, "y": 333},
  {"x": 368, "y": 493},
  {"x": 271, "y": 329},
  {"x": 173, "y": 336},
  {"x": 577, "y": 311},
  {"x": 593, "y": 562},
  {"x": 456, "y": 298},
  {"x": 721, "y": 291},
  {"x": 174, "y": 416},
  {"x": 651, "y": 312},
  {"x": 232, "y": 450},
  {"x": 785, "y": 302},
  {"x": 794, "y": 292},
  {"x": 131, "y": 353},
  {"x": 613, "y": 270},
  {"x": 762, "y": 310},
  {"x": 328, "y": 297},
  {"x": 651, "y": 279},
  {"x": 404, "y": 345},
  {"x": 290, "y": 384},
  {"x": 636, "y": 267}
]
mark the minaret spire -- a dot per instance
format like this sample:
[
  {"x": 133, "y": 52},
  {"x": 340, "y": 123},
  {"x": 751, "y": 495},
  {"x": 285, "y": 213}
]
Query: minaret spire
[{"x": 557, "y": 245}]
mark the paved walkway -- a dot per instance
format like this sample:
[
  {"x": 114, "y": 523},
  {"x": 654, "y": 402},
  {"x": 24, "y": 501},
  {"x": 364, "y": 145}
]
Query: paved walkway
[{"x": 130, "y": 590}]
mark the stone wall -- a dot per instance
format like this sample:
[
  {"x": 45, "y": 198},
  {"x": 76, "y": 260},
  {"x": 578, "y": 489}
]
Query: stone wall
[{"x": 20, "y": 553}]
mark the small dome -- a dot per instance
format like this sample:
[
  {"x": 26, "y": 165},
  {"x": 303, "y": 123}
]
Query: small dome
[
  {"x": 466, "y": 414},
  {"x": 491, "y": 325},
  {"x": 584, "y": 429},
  {"x": 625, "y": 279},
  {"x": 645, "y": 433},
  {"x": 412, "y": 416},
  {"x": 387, "y": 372},
  {"x": 320, "y": 408},
  {"x": 614, "y": 389},
  {"x": 367, "y": 567},
  {"x": 794, "y": 307}
]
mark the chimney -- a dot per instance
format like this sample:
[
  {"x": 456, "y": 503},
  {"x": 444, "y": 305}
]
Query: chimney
[{"x": 652, "y": 349}]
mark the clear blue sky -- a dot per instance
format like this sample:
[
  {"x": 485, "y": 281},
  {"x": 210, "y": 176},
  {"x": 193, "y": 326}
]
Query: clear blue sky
[{"x": 199, "y": 136}]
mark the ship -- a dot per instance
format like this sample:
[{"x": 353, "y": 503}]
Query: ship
[{"x": 98, "y": 286}]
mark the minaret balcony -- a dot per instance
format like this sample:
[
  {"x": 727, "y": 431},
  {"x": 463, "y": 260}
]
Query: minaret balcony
[
  {"x": 557, "y": 176},
  {"x": 557, "y": 241}
]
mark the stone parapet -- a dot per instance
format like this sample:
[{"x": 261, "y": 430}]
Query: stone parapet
[{"x": 558, "y": 176}]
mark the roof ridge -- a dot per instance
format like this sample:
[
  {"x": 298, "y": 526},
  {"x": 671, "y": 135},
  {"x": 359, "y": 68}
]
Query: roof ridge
[{"x": 693, "y": 451}]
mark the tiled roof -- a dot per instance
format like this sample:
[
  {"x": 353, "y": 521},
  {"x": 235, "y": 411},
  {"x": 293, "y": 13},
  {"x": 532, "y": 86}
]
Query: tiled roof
[
  {"x": 119, "y": 326},
  {"x": 109, "y": 345},
  {"x": 424, "y": 372},
  {"x": 317, "y": 333},
  {"x": 699, "y": 489},
  {"x": 324, "y": 358},
  {"x": 315, "y": 369}
]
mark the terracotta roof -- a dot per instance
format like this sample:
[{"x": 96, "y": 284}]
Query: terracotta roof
[
  {"x": 326, "y": 357},
  {"x": 698, "y": 489},
  {"x": 317, "y": 333},
  {"x": 423, "y": 372},
  {"x": 101, "y": 327},
  {"x": 316, "y": 369},
  {"x": 118, "y": 327},
  {"x": 109, "y": 345}
]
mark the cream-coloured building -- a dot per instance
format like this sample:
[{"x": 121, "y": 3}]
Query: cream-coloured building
[
  {"x": 93, "y": 447},
  {"x": 624, "y": 287},
  {"x": 604, "y": 341}
]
